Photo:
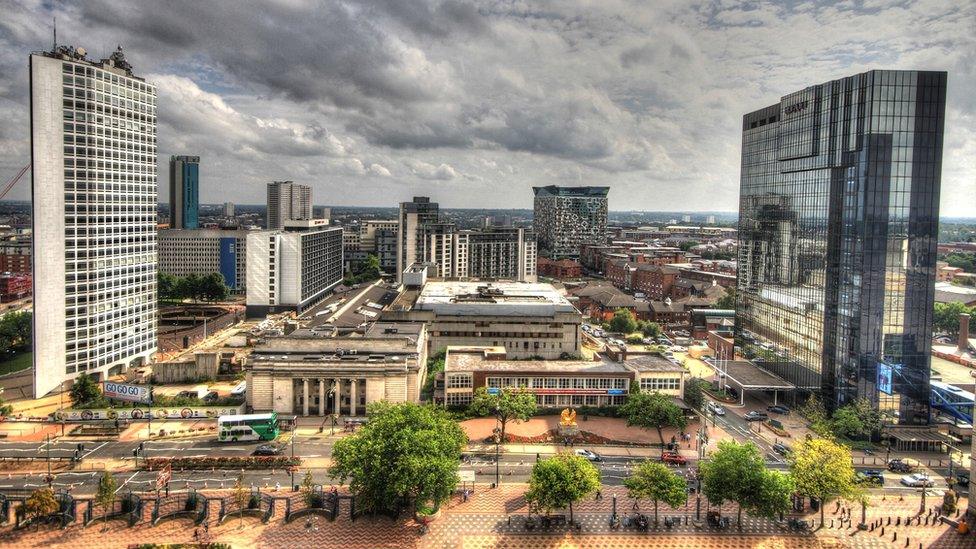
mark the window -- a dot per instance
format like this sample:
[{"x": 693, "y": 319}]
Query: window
[
  {"x": 459, "y": 381},
  {"x": 660, "y": 384},
  {"x": 458, "y": 399}
]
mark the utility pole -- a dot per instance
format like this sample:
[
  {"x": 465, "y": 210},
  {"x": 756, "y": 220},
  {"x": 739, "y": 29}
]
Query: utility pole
[
  {"x": 50, "y": 479},
  {"x": 149, "y": 434}
]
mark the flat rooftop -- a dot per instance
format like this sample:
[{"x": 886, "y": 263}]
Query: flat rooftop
[
  {"x": 495, "y": 298},
  {"x": 750, "y": 376},
  {"x": 652, "y": 363},
  {"x": 469, "y": 359}
]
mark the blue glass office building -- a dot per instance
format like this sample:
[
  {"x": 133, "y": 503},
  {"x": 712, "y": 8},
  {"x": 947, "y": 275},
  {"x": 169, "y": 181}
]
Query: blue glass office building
[
  {"x": 838, "y": 226},
  {"x": 184, "y": 192}
]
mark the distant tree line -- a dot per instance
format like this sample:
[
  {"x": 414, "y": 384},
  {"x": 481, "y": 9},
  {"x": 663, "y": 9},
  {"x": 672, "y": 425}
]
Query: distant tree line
[{"x": 210, "y": 287}]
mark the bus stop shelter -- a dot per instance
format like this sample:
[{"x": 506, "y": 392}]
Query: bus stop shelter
[{"x": 748, "y": 377}]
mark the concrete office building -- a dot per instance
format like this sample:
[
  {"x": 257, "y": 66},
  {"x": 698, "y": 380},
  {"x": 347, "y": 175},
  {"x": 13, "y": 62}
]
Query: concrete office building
[
  {"x": 411, "y": 228},
  {"x": 567, "y": 217},
  {"x": 306, "y": 374},
  {"x": 184, "y": 192},
  {"x": 291, "y": 270},
  {"x": 288, "y": 200},
  {"x": 528, "y": 320},
  {"x": 94, "y": 193},
  {"x": 203, "y": 252},
  {"x": 228, "y": 209},
  {"x": 490, "y": 254},
  {"x": 838, "y": 224}
]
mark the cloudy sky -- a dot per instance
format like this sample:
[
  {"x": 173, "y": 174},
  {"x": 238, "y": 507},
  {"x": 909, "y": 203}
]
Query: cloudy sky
[{"x": 374, "y": 101}]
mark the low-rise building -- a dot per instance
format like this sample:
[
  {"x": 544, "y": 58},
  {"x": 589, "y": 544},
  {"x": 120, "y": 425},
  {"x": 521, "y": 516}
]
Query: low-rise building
[
  {"x": 558, "y": 383},
  {"x": 562, "y": 268},
  {"x": 527, "y": 319},
  {"x": 14, "y": 286},
  {"x": 307, "y": 374}
]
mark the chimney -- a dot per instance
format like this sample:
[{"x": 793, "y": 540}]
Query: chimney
[{"x": 963, "y": 332}]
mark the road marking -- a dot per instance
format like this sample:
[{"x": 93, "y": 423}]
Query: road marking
[
  {"x": 126, "y": 482},
  {"x": 93, "y": 450}
]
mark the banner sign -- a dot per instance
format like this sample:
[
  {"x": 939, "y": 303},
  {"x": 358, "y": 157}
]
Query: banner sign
[
  {"x": 884, "y": 378},
  {"x": 179, "y": 412},
  {"x": 125, "y": 391}
]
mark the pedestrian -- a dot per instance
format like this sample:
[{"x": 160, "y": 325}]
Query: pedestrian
[
  {"x": 206, "y": 527},
  {"x": 599, "y": 495},
  {"x": 277, "y": 486},
  {"x": 196, "y": 534}
]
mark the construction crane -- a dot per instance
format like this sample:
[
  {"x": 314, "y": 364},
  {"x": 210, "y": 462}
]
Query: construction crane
[{"x": 10, "y": 184}]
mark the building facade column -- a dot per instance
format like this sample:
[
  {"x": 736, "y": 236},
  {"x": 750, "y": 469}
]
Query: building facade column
[
  {"x": 321, "y": 397},
  {"x": 305, "y": 396},
  {"x": 338, "y": 394},
  {"x": 352, "y": 397}
]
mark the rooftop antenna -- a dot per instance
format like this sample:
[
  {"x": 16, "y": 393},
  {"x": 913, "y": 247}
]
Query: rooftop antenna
[{"x": 55, "y": 47}]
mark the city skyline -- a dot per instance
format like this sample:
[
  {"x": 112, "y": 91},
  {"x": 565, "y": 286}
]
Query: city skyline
[{"x": 456, "y": 101}]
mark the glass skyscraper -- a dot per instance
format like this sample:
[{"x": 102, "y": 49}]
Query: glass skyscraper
[
  {"x": 838, "y": 226},
  {"x": 565, "y": 218},
  {"x": 184, "y": 192}
]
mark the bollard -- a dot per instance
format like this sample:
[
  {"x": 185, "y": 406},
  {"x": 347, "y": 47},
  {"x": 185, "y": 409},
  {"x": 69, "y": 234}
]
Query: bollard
[
  {"x": 882, "y": 531},
  {"x": 894, "y": 536},
  {"x": 872, "y": 527},
  {"x": 898, "y": 521},
  {"x": 831, "y": 523},
  {"x": 889, "y": 521},
  {"x": 907, "y": 541}
]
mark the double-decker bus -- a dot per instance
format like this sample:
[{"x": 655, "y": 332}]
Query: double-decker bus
[{"x": 247, "y": 427}]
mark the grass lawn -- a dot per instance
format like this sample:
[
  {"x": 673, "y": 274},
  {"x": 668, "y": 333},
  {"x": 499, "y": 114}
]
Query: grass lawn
[{"x": 17, "y": 363}]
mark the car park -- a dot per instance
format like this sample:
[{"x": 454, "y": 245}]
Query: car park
[
  {"x": 673, "y": 458},
  {"x": 756, "y": 416},
  {"x": 917, "y": 480},
  {"x": 591, "y": 456},
  {"x": 778, "y": 409},
  {"x": 267, "y": 450}
]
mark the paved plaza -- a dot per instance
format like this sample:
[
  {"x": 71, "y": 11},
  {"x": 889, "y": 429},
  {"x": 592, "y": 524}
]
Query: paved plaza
[{"x": 494, "y": 518}]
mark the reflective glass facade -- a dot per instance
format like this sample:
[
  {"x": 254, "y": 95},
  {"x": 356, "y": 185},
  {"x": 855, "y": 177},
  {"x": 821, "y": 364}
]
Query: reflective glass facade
[{"x": 838, "y": 224}]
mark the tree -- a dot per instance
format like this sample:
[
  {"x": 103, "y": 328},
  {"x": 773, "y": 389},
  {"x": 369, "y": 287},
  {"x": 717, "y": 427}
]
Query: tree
[
  {"x": 166, "y": 287},
  {"x": 822, "y": 469},
  {"x": 727, "y": 301},
  {"x": 84, "y": 390},
  {"x": 649, "y": 329},
  {"x": 737, "y": 473},
  {"x": 213, "y": 287},
  {"x": 308, "y": 489},
  {"x": 560, "y": 481},
  {"x": 106, "y": 493},
  {"x": 946, "y": 318},
  {"x": 653, "y": 411},
  {"x": 241, "y": 496},
  {"x": 694, "y": 396},
  {"x": 815, "y": 412},
  {"x": 623, "y": 321},
  {"x": 655, "y": 481},
  {"x": 846, "y": 423},
  {"x": 405, "y": 451},
  {"x": 41, "y": 503},
  {"x": 508, "y": 404},
  {"x": 687, "y": 245}
]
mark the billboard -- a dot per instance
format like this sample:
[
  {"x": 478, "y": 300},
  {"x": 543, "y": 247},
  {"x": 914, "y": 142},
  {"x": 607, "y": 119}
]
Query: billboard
[
  {"x": 126, "y": 391},
  {"x": 885, "y": 372},
  {"x": 179, "y": 412}
]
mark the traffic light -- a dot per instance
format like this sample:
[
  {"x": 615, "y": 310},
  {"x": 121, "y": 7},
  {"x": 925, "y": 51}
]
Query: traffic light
[
  {"x": 81, "y": 447},
  {"x": 135, "y": 452},
  {"x": 142, "y": 446}
]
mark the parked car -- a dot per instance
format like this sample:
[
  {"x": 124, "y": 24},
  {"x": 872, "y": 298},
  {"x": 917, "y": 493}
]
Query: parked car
[
  {"x": 900, "y": 465},
  {"x": 212, "y": 396},
  {"x": 778, "y": 409},
  {"x": 673, "y": 458},
  {"x": 962, "y": 479},
  {"x": 267, "y": 450},
  {"x": 917, "y": 480},
  {"x": 589, "y": 455},
  {"x": 870, "y": 476},
  {"x": 756, "y": 416},
  {"x": 781, "y": 448}
]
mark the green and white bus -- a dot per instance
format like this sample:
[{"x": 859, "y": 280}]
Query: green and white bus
[{"x": 247, "y": 427}]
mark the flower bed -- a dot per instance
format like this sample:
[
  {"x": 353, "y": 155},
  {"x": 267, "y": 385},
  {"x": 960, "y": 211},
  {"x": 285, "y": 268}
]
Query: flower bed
[
  {"x": 552, "y": 436},
  {"x": 237, "y": 462}
]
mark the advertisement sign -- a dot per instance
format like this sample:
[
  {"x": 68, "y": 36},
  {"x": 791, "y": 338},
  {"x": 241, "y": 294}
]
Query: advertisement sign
[
  {"x": 125, "y": 391},
  {"x": 884, "y": 378},
  {"x": 179, "y": 412}
]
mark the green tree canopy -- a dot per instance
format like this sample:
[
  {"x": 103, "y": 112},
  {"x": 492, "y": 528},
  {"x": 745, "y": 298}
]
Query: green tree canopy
[
  {"x": 623, "y": 321},
  {"x": 560, "y": 481},
  {"x": 15, "y": 331},
  {"x": 106, "y": 493},
  {"x": 727, "y": 301},
  {"x": 822, "y": 469},
  {"x": 694, "y": 395},
  {"x": 737, "y": 473},
  {"x": 648, "y": 328},
  {"x": 655, "y": 481},
  {"x": 946, "y": 317},
  {"x": 508, "y": 404},
  {"x": 653, "y": 411},
  {"x": 405, "y": 451},
  {"x": 84, "y": 390}
]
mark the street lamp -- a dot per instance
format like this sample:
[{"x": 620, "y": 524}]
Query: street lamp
[
  {"x": 498, "y": 442},
  {"x": 61, "y": 406},
  {"x": 291, "y": 466}
]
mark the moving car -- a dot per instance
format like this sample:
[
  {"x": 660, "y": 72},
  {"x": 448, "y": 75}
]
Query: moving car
[
  {"x": 716, "y": 409},
  {"x": 266, "y": 450},
  {"x": 589, "y": 455},
  {"x": 673, "y": 458},
  {"x": 917, "y": 480},
  {"x": 900, "y": 465},
  {"x": 778, "y": 409},
  {"x": 870, "y": 476},
  {"x": 781, "y": 448},
  {"x": 756, "y": 416}
]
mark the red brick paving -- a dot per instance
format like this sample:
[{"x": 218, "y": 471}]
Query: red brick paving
[{"x": 480, "y": 523}]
